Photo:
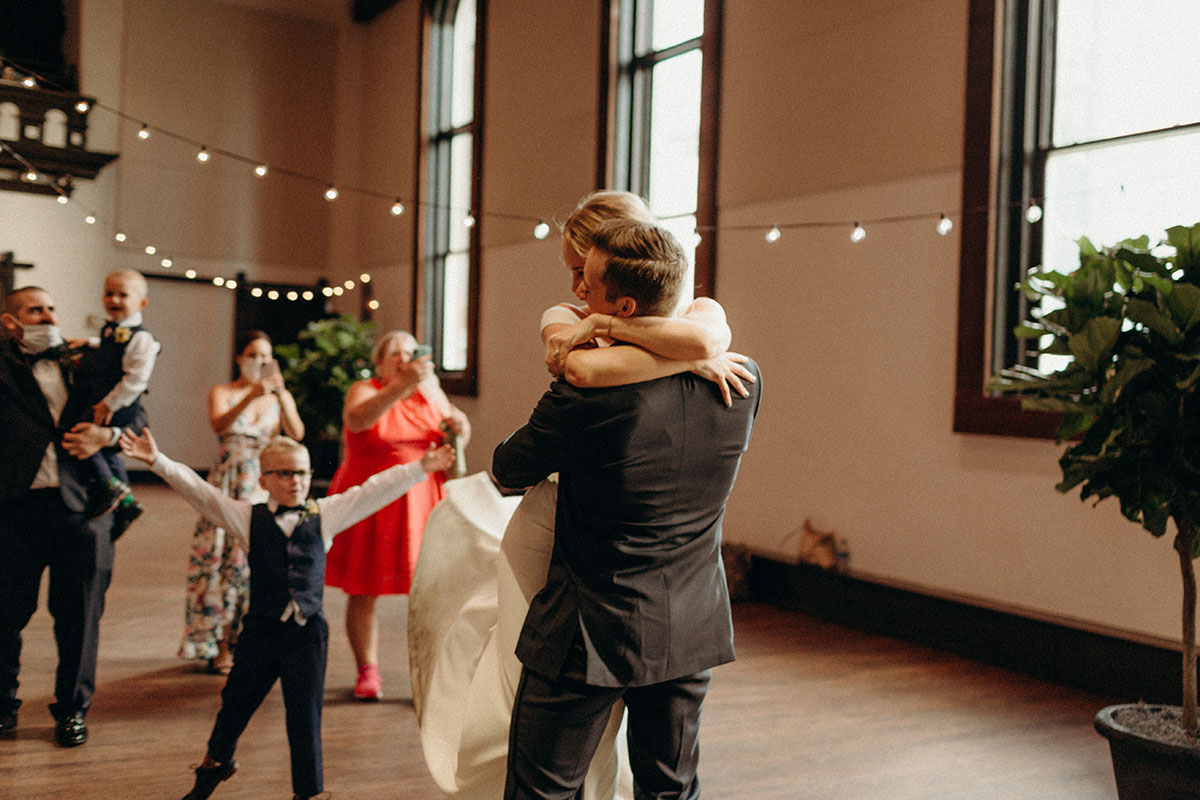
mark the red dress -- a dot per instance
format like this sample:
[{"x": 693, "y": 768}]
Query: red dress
[{"x": 377, "y": 556}]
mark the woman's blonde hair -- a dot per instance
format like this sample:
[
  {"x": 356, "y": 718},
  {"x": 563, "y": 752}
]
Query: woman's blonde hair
[
  {"x": 598, "y": 208},
  {"x": 381, "y": 344}
]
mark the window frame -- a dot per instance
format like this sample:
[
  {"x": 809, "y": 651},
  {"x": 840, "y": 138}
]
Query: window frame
[
  {"x": 609, "y": 171},
  {"x": 434, "y": 218}
]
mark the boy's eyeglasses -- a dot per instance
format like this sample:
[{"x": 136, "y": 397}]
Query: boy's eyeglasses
[{"x": 288, "y": 473}]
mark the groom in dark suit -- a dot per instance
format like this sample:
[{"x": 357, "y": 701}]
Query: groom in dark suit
[
  {"x": 635, "y": 606},
  {"x": 44, "y": 490}
]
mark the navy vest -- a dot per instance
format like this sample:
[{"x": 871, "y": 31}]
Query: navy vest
[
  {"x": 105, "y": 370},
  {"x": 284, "y": 568}
]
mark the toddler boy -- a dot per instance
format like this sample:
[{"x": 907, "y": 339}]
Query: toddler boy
[{"x": 284, "y": 634}]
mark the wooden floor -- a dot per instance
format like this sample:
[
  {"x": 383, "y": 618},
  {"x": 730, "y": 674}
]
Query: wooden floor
[{"x": 809, "y": 710}]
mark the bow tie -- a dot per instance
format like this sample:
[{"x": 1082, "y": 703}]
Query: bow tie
[
  {"x": 281, "y": 510},
  {"x": 51, "y": 353}
]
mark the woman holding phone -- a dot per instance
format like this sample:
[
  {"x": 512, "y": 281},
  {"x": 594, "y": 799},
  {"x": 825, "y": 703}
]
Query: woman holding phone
[
  {"x": 392, "y": 418},
  {"x": 245, "y": 413}
]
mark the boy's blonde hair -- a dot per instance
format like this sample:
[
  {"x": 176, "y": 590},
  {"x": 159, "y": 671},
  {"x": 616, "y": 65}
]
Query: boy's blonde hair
[
  {"x": 596, "y": 209},
  {"x": 134, "y": 277},
  {"x": 280, "y": 444}
]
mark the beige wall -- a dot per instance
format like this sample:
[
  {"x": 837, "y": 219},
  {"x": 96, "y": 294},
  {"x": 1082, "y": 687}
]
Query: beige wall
[{"x": 831, "y": 111}]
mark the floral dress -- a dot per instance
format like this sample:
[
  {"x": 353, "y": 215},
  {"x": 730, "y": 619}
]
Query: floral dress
[{"x": 218, "y": 578}]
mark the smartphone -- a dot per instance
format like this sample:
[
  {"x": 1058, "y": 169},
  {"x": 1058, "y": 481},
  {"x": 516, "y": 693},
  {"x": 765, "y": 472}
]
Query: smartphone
[
  {"x": 422, "y": 350},
  {"x": 269, "y": 370}
]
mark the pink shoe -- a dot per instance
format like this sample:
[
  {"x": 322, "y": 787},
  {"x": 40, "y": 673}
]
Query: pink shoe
[{"x": 369, "y": 686}]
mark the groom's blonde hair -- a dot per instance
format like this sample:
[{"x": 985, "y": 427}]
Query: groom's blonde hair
[{"x": 643, "y": 261}]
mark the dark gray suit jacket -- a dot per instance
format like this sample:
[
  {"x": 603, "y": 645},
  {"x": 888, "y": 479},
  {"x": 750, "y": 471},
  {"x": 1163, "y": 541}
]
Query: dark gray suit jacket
[{"x": 644, "y": 473}]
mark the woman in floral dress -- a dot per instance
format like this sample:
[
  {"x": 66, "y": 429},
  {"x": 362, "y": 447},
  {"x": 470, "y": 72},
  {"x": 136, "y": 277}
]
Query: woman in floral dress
[{"x": 246, "y": 414}]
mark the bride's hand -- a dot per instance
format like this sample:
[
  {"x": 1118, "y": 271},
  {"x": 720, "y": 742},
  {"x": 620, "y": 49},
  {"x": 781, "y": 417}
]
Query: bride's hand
[
  {"x": 726, "y": 371},
  {"x": 560, "y": 344}
]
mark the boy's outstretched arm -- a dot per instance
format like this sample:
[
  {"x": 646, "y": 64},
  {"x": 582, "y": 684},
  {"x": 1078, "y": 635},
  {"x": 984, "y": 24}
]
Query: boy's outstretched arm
[{"x": 220, "y": 509}]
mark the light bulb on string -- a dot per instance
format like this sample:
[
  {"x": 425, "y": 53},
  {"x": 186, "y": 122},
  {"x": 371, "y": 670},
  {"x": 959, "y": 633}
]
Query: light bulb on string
[
  {"x": 349, "y": 284},
  {"x": 373, "y": 305},
  {"x": 90, "y": 219},
  {"x": 63, "y": 200},
  {"x": 144, "y": 132},
  {"x": 541, "y": 230},
  {"x": 339, "y": 291},
  {"x": 190, "y": 274},
  {"x": 166, "y": 263},
  {"x": 327, "y": 291},
  {"x": 469, "y": 221},
  {"x": 31, "y": 176},
  {"x": 293, "y": 295},
  {"x": 364, "y": 278},
  {"x": 308, "y": 295},
  {"x": 151, "y": 249},
  {"x": 944, "y": 225},
  {"x": 203, "y": 155},
  {"x": 397, "y": 208},
  {"x": 772, "y": 236},
  {"x": 859, "y": 233},
  {"x": 272, "y": 294},
  {"x": 29, "y": 82},
  {"x": 83, "y": 106},
  {"x": 261, "y": 170},
  {"x": 331, "y": 193},
  {"x": 1033, "y": 214},
  {"x": 230, "y": 284},
  {"x": 120, "y": 237},
  {"x": 218, "y": 281},
  {"x": 256, "y": 292}
]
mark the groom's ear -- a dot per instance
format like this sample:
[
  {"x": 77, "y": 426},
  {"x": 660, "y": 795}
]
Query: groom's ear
[{"x": 626, "y": 307}]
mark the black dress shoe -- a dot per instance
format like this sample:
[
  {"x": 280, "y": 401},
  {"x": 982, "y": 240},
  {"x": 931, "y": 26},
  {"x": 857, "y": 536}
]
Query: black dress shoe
[
  {"x": 207, "y": 779},
  {"x": 71, "y": 730},
  {"x": 8, "y": 725}
]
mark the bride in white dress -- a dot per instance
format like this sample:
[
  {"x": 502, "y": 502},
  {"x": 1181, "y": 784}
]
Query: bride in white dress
[{"x": 484, "y": 556}]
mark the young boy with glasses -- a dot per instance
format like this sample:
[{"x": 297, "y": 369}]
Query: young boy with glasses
[{"x": 284, "y": 635}]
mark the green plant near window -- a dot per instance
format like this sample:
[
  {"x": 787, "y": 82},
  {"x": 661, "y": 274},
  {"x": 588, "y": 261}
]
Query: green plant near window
[
  {"x": 328, "y": 356},
  {"x": 1130, "y": 324}
]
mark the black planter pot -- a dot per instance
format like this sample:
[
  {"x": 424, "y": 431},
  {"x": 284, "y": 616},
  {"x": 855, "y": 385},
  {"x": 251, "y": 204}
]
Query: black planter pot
[{"x": 1148, "y": 769}]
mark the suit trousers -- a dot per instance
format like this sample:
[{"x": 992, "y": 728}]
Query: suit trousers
[
  {"x": 39, "y": 533},
  {"x": 557, "y": 724},
  {"x": 268, "y": 650}
]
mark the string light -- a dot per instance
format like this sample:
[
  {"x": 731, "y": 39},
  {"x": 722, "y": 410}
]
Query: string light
[
  {"x": 373, "y": 305},
  {"x": 29, "y": 82},
  {"x": 31, "y": 176},
  {"x": 218, "y": 281},
  {"x": 772, "y": 236},
  {"x": 1033, "y": 214},
  {"x": 349, "y": 284},
  {"x": 293, "y": 295},
  {"x": 858, "y": 234},
  {"x": 339, "y": 291},
  {"x": 308, "y": 295},
  {"x": 151, "y": 249},
  {"x": 63, "y": 200},
  {"x": 397, "y": 208},
  {"x": 166, "y": 263},
  {"x": 231, "y": 284},
  {"x": 364, "y": 278},
  {"x": 944, "y": 225},
  {"x": 190, "y": 274},
  {"x": 327, "y": 291},
  {"x": 83, "y": 106},
  {"x": 256, "y": 292},
  {"x": 203, "y": 155},
  {"x": 120, "y": 237},
  {"x": 272, "y": 294},
  {"x": 331, "y": 193},
  {"x": 469, "y": 220},
  {"x": 90, "y": 219},
  {"x": 144, "y": 133},
  {"x": 541, "y": 230},
  {"x": 261, "y": 170}
]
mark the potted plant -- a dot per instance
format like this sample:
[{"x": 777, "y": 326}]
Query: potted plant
[
  {"x": 329, "y": 355},
  {"x": 1128, "y": 321}
]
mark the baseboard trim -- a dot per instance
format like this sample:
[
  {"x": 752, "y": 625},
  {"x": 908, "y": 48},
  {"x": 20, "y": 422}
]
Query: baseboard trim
[{"x": 1114, "y": 667}]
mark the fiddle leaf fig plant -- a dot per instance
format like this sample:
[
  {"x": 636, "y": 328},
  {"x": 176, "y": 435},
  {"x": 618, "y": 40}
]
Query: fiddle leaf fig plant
[
  {"x": 1128, "y": 321},
  {"x": 328, "y": 356}
]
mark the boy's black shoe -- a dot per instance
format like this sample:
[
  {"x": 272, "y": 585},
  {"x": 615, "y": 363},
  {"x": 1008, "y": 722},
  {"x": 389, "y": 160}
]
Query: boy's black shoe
[
  {"x": 106, "y": 497},
  {"x": 71, "y": 730},
  {"x": 127, "y": 510},
  {"x": 8, "y": 724},
  {"x": 207, "y": 779}
]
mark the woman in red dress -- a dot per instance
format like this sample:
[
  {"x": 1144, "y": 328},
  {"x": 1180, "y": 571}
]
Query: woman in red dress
[{"x": 390, "y": 419}]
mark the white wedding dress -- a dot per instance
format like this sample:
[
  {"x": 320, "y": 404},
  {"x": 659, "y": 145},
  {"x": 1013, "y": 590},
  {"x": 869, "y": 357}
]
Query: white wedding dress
[{"x": 483, "y": 557}]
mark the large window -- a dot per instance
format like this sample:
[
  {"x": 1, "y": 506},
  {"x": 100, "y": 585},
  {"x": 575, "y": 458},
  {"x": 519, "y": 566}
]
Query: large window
[
  {"x": 1093, "y": 132},
  {"x": 448, "y": 283},
  {"x": 663, "y": 70}
]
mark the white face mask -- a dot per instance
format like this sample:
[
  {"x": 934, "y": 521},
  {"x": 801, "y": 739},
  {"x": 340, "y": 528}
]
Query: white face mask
[
  {"x": 36, "y": 338},
  {"x": 251, "y": 368}
]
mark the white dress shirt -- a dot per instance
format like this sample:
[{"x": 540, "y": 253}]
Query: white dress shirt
[
  {"x": 338, "y": 511},
  {"x": 49, "y": 378}
]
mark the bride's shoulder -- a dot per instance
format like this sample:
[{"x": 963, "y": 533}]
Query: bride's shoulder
[{"x": 562, "y": 314}]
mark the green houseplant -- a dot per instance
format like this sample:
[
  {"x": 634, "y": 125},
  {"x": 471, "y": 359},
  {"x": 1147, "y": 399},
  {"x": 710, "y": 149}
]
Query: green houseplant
[
  {"x": 329, "y": 355},
  {"x": 1129, "y": 323}
]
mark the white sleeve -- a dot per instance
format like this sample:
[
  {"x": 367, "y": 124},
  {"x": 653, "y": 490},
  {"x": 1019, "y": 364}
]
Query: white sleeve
[
  {"x": 561, "y": 314},
  {"x": 137, "y": 363},
  {"x": 340, "y": 511},
  {"x": 210, "y": 502}
]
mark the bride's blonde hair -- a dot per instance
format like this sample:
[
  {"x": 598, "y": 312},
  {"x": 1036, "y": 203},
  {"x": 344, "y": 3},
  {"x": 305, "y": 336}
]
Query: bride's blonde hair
[{"x": 598, "y": 208}]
